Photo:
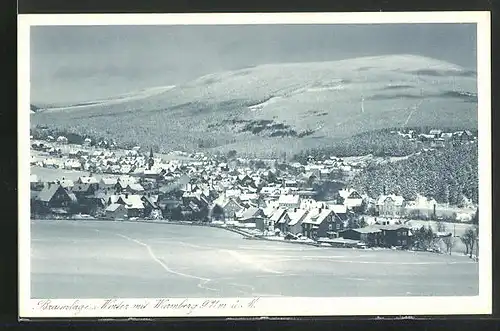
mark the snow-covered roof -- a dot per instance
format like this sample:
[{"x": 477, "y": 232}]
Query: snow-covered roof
[
  {"x": 249, "y": 213},
  {"x": 345, "y": 193},
  {"x": 338, "y": 209},
  {"x": 368, "y": 229},
  {"x": 289, "y": 199},
  {"x": 270, "y": 190},
  {"x": 66, "y": 183},
  {"x": 126, "y": 180},
  {"x": 275, "y": 217},
  {"x": 392, "y": 227},
  {"x": 108, "y": 181},
  {"x": 296, "y": 216},
  {"x": 132, "y": 201},
  {"x": 317, "y": 216},
  {"x": 398, "y": 200},
  {"x": 135, "y": 187},
  {"x": 88, "y": 180}
]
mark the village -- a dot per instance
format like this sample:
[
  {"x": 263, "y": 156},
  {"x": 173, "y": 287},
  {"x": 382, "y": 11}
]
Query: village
[{"x": 261, "y": 198}]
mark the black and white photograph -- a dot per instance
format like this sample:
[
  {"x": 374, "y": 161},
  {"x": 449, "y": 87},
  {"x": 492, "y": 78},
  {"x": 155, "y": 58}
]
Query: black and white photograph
[{"x": 254, "y": 164}]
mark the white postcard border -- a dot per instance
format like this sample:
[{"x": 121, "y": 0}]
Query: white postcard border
[{"x": 481, "y": 304}]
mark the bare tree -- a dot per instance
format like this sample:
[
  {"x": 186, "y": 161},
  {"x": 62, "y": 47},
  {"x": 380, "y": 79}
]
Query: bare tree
[
  {"x": 449, "y": 242},
  {"x": 469, "y": 238}
]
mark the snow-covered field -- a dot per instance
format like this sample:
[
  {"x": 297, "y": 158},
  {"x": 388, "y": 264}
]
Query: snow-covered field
[
  {"x": 132, "y": 96},
  {"x": 49, "y": 174},
  {"x": 88, "y": 259}
]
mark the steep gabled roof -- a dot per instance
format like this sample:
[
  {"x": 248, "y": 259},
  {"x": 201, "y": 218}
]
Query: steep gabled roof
[
  {"x": 135, "y": 187},
  {"x": 250, "y": 213},
  {"x": 132, "y": 201},
  {"x": 296, "y": 216},
  {"x": 47, "y": 192},
  {"x": 278, "y": 214},
  {"x": 88, "y": 180},
  {"x": 81, "y": 187}
]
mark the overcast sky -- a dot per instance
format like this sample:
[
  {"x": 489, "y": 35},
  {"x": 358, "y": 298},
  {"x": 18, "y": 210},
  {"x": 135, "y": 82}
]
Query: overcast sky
[{"x": 70, "y": 64}]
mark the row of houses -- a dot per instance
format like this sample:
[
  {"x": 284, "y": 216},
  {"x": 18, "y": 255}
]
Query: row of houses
[
  {"x": 312, "y": 221},
  {"x": 437, "y": 137}
]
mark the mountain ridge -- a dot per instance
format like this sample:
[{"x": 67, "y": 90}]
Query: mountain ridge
[{"x": 290, "y": 106}]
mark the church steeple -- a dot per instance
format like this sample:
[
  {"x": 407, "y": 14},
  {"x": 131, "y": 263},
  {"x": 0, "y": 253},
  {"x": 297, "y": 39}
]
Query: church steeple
[{"x": 151, "y": 161}]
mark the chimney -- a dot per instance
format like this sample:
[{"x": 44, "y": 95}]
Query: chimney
[
  {"x": 126, "y": 195},
  {"x": 295, "y": 209}
]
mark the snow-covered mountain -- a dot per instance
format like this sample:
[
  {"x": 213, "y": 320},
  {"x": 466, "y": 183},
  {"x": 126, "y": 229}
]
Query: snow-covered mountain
[{"x": 279, "y": 107}]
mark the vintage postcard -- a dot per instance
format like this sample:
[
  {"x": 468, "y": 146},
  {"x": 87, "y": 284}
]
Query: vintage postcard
[{"x": 254, "y": 164}]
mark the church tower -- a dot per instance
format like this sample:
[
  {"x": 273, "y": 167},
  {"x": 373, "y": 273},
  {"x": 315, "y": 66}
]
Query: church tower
[{"x": 151, "y": 161}]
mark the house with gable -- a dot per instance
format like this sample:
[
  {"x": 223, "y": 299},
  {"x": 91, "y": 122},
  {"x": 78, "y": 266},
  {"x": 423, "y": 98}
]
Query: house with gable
[
  {"x": 151, "y": 207},
  {"x": 133, "y": 204},
  {"x": 279, "y": 216},
  {"x": 123, "y": 182},
  {"x": 464, "y": 135},
  {"x": 294, "y": 224},
  {"x": 436, "y": 133},
  {"x": 226, "y": 208},
  {"x": 108, "y": 185},
  {"x": 116, "y": 212},
  {"x": 370, "y": 236},
  {"x": 390, "y": 205},
  {"x": 54, "y": 196},
  {"x": 87, "y": 180},
  {"x": 395, "y": 235},
  {"x": 252, "y": 215},
  {"x": 351, "y": 198},
  {"x": 322, "y": 223},
  {"x": 84, "y": 190},
  {"x": 135, "y": 188}
]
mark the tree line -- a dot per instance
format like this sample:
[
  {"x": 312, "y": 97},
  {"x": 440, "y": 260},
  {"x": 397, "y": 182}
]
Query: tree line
[{"x": 448, "y": 175}]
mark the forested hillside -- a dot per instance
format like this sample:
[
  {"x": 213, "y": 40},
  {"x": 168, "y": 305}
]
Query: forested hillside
[
  {"x": 282, "y": 107},
  {"x": 377, "y": 143},
  {"x": 444, "y": 174}
]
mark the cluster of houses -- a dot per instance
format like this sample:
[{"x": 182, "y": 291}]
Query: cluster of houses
[
  {"x": 139, "y": 186},
  {"x": 290, "y": 214},
  {"x": 437, "y": 138}
]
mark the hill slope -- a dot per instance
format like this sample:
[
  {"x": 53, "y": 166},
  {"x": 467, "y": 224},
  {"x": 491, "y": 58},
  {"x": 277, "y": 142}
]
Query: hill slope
[
  {"x": 446, "y": 175},
  {"x": 277, "y": 107}
]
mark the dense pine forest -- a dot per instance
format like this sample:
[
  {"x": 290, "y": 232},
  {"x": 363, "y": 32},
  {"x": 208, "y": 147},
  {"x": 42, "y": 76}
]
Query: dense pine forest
[{"x": 446, "y": 174}]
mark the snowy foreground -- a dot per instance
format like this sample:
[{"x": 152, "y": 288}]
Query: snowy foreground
[{"x": 96, "y": 259}]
